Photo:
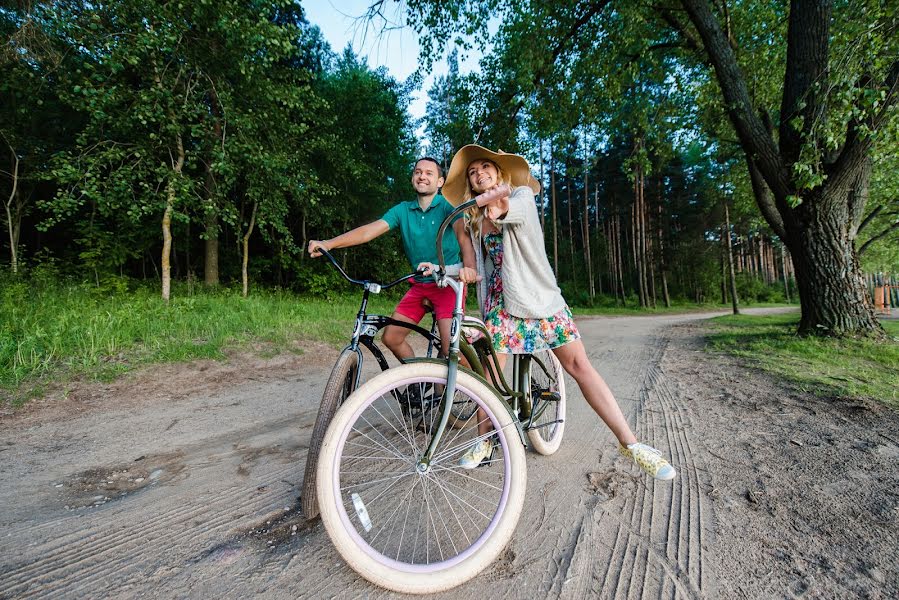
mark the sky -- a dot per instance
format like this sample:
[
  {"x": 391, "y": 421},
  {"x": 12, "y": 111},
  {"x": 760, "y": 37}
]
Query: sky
[{"x": 396, "y": 49}]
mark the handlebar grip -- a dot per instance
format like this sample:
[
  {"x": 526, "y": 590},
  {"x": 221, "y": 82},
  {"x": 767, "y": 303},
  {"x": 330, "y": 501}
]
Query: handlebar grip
[{"x": 493, "y": 195}]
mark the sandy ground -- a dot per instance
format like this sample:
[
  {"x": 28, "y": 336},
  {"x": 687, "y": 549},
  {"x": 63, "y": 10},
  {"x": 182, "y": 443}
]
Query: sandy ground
[{"x": 182, "y": 481}]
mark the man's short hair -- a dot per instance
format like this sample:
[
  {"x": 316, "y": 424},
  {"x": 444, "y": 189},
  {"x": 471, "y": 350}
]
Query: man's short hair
[{"x": 433, "y": 160}]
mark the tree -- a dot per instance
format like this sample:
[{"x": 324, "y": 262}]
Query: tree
[
  {"x": 173, "y": 95},
  {"x": 448, "y": 123},
  {"x": 810, "y": 163}
]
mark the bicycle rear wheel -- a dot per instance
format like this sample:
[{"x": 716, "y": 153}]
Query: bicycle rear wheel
[
  {"x": 410, "y": 530},
  {"x": 341, "y": 384},
  {"x": 547, "y": 395}
]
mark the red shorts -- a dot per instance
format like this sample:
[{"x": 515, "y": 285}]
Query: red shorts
[{"x": 443, "y": 299}]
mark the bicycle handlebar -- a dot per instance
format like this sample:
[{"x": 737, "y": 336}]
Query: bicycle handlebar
[{"x": 365, "y": 282}]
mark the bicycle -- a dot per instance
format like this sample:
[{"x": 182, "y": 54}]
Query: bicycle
[
  {"x": 394, "y": 501},
  {"x": 346, "y": 373}
]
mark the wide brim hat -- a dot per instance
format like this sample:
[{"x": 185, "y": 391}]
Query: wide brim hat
[{"x": 513, "y": 165}]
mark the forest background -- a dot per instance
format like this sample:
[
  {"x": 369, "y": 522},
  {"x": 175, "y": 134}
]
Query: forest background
[{"x": 159, "y": 159}]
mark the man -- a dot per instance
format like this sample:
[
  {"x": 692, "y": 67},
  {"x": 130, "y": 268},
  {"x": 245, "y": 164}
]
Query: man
[{"x": 418, "y": 222}]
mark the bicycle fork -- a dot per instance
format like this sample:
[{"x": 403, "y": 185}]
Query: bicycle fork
[{"x": 446, "y": 403}]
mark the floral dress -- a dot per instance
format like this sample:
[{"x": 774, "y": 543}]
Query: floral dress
[{"x": 517, "y": 335}]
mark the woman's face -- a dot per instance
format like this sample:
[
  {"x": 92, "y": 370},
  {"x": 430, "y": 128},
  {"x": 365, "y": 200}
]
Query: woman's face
[{"x": 482, "y": 175}]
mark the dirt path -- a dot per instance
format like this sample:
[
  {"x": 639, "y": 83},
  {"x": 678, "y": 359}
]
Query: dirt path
[{"x": 184, "y": 482}]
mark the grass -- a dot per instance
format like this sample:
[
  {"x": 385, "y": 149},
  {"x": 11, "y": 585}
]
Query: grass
[
  {"x": 858, "y": 368},
  {"x": 55, "y": 332}
]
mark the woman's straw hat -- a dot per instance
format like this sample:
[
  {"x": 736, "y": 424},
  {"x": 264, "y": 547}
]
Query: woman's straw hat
[{"x": 513, "y": 165}]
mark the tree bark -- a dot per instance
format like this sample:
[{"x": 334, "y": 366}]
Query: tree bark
[
  {"x": 591, "y": 287},
  {"x": 177, "y": 167},
  {"x": 570, "y": 228},
  {"x": 783, "y": 260},
  {"x": 552, "y": 178},
  {"x": 730, "y": 262},
  {"x": 211, "y": 233},
  {"x": 618, "y": 259},
  {"x": 245, "y": 247},
  {"x": 832, "y": 293},
  {"x": 13, "y": 194}
]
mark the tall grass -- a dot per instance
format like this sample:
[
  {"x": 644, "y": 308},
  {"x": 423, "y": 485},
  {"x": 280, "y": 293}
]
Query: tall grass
[{"x": 52, "y": 329}]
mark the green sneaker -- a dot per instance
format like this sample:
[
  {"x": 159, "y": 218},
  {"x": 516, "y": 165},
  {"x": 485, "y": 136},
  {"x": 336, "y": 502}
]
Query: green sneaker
[
  {"x": 649, "y": 459},
  {"x": 479, "y": 455}
]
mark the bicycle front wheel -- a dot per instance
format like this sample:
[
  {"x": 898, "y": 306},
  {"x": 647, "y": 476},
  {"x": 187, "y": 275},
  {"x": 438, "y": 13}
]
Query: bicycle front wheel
[
  {"x": 547, "y": 393},
  {"x": 411, "y": 529},
  {"x": 340, "y": 385}
]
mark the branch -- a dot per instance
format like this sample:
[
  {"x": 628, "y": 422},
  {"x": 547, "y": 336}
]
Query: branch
[
  {"x": 807, "y": 61},
  {"x": 676, "y": 25},
  {"x": 858, "y": 145},
  {"x": 754, "y": 137},
  {"x": 880, "y": 235},
  {"x": 868, "y": 219},
  {"x": 594, "y": 9},
  {"x": 763, "y": 198}
]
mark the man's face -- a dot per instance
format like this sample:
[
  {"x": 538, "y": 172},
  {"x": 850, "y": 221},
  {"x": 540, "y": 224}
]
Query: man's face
[{"x": 426, "y": 178}]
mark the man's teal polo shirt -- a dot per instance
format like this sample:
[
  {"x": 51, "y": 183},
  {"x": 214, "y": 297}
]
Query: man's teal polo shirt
[{"x": 419, "y": 228}]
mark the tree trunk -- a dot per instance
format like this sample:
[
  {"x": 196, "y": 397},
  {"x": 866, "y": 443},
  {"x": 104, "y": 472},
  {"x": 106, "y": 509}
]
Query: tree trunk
[
  {"x": 552, "y": 178},
  {"x": 167, "y": 221},
  {"x": 591, "y": 286},
  {"x": 723, "y": 261},
  {"x": 542, "y": 192},
  {"x": 663, "y": 264},
  {"x": 13, "y": 194},
  {"x": 211, "y": 233},
  {"x": 820, "y": 224},
  {"x": 211, "y": 260},
  {"x": 570, "y": 230},
  {"x": 619, "y": 259},
  {"x": 246, "y": 251},
  {"x": 783, "y": 260},
  {"x": 730, "y": 262},
  {"x": 831, "y": 289}
]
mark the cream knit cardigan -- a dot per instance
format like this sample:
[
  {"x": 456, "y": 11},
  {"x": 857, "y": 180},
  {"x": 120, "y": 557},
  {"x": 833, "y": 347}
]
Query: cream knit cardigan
[{"x": 530, "y": 290}]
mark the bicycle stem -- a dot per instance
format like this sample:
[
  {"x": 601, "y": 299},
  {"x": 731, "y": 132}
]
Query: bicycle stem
[
  {"x": 456, "y": 326},
  {"x": 452, "y": 371}
]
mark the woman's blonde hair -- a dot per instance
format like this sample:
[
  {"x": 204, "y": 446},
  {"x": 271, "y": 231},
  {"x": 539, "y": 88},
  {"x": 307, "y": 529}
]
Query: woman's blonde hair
[{"x": 476, "y": 213}]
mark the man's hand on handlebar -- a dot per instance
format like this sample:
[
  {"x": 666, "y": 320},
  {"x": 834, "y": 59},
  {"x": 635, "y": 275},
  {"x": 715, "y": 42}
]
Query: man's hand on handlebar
[
  {"x": 465, "y": 275},
  {"x": 313, "y": 247},
  {"x": 426, "y": 268}
]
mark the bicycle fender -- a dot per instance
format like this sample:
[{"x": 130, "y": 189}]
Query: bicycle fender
[{"x": 468, "y": 371}]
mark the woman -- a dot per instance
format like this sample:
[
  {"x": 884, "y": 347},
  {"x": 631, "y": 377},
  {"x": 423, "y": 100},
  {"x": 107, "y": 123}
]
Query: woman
[{"x": 521, "y": 303}]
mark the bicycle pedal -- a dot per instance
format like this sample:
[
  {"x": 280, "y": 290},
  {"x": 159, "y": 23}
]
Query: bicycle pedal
[{"x": 550, "y": 396}]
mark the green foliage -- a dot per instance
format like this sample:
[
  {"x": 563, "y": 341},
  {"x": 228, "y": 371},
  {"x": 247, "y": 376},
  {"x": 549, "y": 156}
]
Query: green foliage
[
  {"x": 854, "y": 368},
  {"x": 752, "y": 290},
  {"x": 102, "y": 99}
]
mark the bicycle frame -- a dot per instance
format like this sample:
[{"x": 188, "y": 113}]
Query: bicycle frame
[
  {"x": 517, "y": 392},
  {"x": 367, "y": 326}
]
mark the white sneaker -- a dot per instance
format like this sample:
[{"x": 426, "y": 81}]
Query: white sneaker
[
  {"x": 649, "y": 459},
  {"x": 480, "y": 454}
]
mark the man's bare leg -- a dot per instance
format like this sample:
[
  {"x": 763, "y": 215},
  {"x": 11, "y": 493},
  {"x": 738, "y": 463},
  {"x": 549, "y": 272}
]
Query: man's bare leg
[{"x": 394, "y": 337}]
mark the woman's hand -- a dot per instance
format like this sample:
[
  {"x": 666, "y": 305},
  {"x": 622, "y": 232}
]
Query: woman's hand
[
  {"x": 468, "y": 275},
  {"x": 498, "y": 208}
]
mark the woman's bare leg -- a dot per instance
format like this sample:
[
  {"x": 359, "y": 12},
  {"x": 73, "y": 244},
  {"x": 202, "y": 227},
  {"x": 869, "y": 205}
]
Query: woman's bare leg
[
  {"x": 574, "y": 360},
  {"x": 484, "y": 426}
]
